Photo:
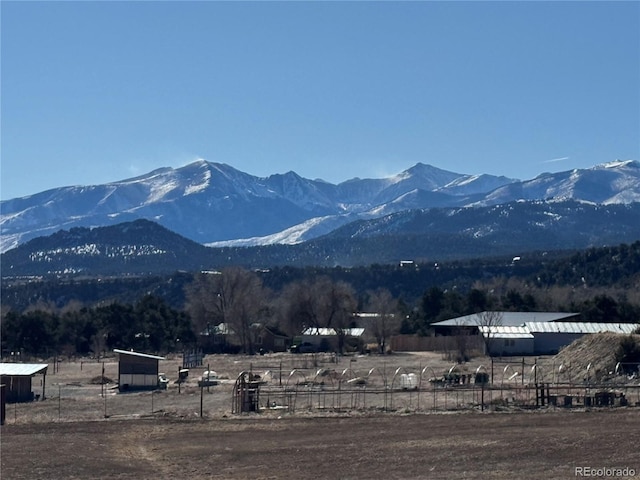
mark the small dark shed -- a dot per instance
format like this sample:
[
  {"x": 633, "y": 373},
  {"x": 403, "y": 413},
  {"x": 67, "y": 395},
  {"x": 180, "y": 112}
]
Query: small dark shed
[
  {"x": 17, "y": 380},
  {"x": 137, "y": 371}
]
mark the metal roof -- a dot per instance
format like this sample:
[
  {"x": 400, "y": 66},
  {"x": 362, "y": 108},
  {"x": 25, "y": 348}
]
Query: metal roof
[
  {"x": 22, "y": 369},
  {"x": 354, "y": 332},
  {"x": 137, "y": 354},
  {"x": 220, "y": 329},
  {"x": 530, "y": 328},
  {"x": 504, "y": 318},
  {"x": 502, "y": 331},
  {"x": 581, "y": 327}
]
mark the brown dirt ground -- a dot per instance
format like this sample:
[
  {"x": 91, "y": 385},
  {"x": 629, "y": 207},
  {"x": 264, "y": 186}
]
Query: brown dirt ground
[
  {"x": 474, "y": 445},
  {"x": 72, "y": 394},
  {"x": 160, "y": 436}
]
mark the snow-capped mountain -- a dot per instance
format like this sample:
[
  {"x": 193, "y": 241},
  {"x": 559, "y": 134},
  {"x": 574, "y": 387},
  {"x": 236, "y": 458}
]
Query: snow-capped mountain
[
  {"x": 425, "y": 236},
  {"x": 608, "y": 183},
  {"x": 213, "y": 203}
]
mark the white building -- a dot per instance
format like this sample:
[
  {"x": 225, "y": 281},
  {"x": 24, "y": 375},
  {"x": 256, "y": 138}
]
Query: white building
[
  {"x": 527, "y": 333},
  {"x": 544, "y": 338}
]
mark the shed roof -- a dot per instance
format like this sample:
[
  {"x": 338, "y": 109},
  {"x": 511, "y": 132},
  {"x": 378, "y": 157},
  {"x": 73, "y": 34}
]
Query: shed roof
[
  {"x": 22, "y": 369},
  {"x": 505, "y": 331},
  {"x": 581, "y": 327},
  {"x": 530, "y": 328},
  {"x": 220, "y": 329},
  {"x": 137, "y": 354},
  {"x": 505, "y": 318},
  {"x": 354, "y": 332}
]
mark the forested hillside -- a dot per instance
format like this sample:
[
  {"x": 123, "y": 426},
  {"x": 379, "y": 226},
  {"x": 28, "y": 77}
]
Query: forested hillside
[{"x": 162, "y": 313}]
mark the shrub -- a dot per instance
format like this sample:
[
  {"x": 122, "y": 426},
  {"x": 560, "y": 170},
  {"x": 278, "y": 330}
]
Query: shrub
[{"x": 628, "y": 354}]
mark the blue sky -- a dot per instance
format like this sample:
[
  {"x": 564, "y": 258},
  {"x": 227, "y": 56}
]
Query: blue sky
[{"x": 94, "y": 92}]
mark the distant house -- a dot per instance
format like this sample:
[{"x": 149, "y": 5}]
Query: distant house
[
  {"x": 526, "y": 333},
  {"x": 269, "y": 339},
  {"x": 327, "y": 339},
  {"x": 543, "y": 338},
  {"x": 219, "y": 338},
  {"x": 137, "y": 371},
  {"x": 17, "y": 378},
  {"x": 470, "y": 323}
]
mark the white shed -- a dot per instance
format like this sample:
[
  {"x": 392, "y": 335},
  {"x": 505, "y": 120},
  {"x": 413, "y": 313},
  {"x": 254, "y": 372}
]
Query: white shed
[
  {"x": 549, "y": 338},
  {"x": 507, "y": 340}
]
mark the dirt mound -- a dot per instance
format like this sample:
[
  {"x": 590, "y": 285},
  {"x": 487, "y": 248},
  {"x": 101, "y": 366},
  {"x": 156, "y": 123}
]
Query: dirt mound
[
  {"x": 591, "y": 356},
  {"x": 100, "y": 380}
]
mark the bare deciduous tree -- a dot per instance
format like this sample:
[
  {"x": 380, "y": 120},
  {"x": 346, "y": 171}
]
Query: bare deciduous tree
[
  {"x": 318, "y": 303},
  {"x": 386, "y": 320},
  {"x": 200, "y": 301},
  {"x": 99, "y": 342},
  {"x": 486, "y": 321},
  {"x": 339, "y": 307},
  {"x": 461, "y": 339},
  {"x": 241, "y": 300},
  {"x": 234, "y": 296},
  {"x": 297, "y": 307}
]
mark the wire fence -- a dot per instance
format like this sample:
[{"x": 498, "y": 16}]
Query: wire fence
[
  {"x": 422, "y": 391},
  {"x": 313, "y": 387}
]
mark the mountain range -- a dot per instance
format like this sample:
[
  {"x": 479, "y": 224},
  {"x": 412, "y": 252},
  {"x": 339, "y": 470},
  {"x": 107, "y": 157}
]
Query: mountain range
[
  {"x": 420, "y": 237},
  {"x": 216, "y": 205}
]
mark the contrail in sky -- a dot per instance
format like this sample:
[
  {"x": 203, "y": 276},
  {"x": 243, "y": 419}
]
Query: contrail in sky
[{"x": 556, "y": 160}]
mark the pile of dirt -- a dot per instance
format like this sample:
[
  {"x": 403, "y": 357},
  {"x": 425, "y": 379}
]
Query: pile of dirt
[
  {"x": 100, "y": 380},
  {"x": 597, "y": 350}
]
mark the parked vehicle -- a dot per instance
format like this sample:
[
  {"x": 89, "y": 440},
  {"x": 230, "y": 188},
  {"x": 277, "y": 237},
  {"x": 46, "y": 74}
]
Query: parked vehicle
[
  {"x": 304, "y": 347},
  {"x": 209, "y": 379}
]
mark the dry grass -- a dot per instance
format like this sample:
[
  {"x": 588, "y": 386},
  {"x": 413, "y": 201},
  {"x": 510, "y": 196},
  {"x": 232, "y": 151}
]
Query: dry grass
[
  {"x": 72, "y": 393},
  {"x": 473, "y": 446},
  {"x": 160, "y": 435},
  {"x": 595, "y": 351}
]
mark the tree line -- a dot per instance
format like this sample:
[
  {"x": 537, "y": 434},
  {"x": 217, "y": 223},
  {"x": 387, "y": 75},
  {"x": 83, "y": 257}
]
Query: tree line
[
  {"x": 147, "y": 325},
  {"x": 244, "y": 301},
  {"x": 612, "y": 270}
]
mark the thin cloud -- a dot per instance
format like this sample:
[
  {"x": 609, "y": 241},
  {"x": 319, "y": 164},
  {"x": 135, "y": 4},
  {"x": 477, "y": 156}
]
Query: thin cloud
[
  {"x": 556, "y": 160},
  {"x": 134, "y": 170}
]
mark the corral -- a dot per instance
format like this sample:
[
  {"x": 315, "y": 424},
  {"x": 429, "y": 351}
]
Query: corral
[
  {"x": 413, "y": 415},
  {"x": 287, "y": 383}
]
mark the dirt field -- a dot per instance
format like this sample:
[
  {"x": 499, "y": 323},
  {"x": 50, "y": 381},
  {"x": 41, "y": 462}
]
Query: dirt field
[
  {"x": 73, "y": 393},
  {"x": 494, "y": 445},
  {"x": 82, "y": 431}
]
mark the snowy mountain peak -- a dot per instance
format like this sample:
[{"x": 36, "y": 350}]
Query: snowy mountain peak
[
  {"x": 430, "y": 176},
  {"x": 619, "y": 164},
  {"x": 607, "y": 183},
  {"x": 214, "y": 202}
]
